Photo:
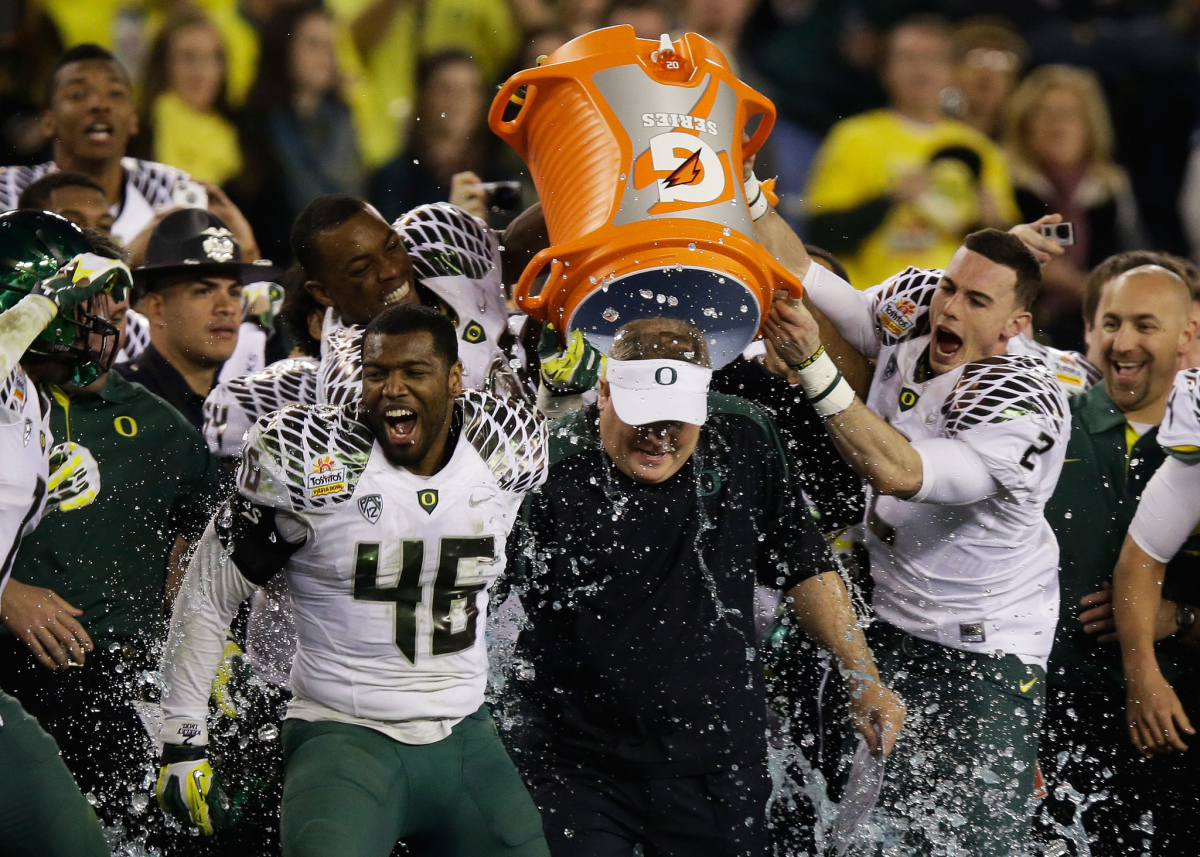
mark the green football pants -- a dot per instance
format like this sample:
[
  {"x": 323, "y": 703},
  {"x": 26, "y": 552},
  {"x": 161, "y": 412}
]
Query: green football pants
[
  {"x": 42, "y": 813},
  {"x": 960, "y": 779},
  {"x": 350, "y": 791}
]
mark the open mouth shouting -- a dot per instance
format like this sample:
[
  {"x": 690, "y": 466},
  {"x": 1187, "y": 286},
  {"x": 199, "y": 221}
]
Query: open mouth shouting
[
  {"x": 946, "y": 344},
  {"x": 401, "y": 425},
  {"x": 99, "y": 132}
]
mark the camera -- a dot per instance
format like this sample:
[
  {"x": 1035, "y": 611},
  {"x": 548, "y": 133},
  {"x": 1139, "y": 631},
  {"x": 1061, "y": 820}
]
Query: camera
[
  {"x": 189, "y": 194},
  {"x": 503, "y": 196},
  {"x": 1062, "y": 233}
]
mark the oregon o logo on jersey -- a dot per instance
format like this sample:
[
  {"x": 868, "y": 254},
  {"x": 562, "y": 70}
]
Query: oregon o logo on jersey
[
  {"x": 473, "y": 333},
  {"x": 908, "y": 398},
  {"x": 125, "y": 426},
  {"x": 428, "y": 499}
]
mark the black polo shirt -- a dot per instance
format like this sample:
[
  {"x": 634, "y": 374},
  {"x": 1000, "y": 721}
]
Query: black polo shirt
[
  {"x": 153, "y": 372},
  {"x": 641, "y": 646}
]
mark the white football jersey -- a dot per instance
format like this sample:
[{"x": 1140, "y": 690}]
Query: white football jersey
[
  {"x": 983, "y": 576},
  {"x": 455, "y": 257},
  {"x": 234, "y": 406},
  {"x": 1179, "y": 433},
  {"x": 390, "y": 589},
  {"x": 25, "y": 443}
]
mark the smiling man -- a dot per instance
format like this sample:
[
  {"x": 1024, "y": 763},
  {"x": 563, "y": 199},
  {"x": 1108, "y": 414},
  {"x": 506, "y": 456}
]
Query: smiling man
[
  {"x": 90, "y": 116},
  {"x": 961, "y": 443},
  {"x": 390, "y": 521},
  {"x": 644, "y": 716},
  {"x": 1140, "y": 324}
]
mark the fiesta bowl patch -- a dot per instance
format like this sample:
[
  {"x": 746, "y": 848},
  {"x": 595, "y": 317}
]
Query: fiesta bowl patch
[{"x": 326, "y": 478}]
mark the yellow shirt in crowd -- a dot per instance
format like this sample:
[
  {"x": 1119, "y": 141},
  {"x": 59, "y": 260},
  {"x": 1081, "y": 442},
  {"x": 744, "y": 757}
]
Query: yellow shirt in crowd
[
  {"x": 865, "y": 156},
  {"x": 205, "y": 145}
]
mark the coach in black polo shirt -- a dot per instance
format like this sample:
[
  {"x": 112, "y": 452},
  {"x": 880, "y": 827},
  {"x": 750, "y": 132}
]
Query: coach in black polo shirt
[
  {"x": 190, "y": 290},
  {"x": 644, "y": 710}
]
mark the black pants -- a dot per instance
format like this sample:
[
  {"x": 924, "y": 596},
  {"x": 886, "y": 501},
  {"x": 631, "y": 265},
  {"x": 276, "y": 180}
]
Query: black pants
[
  {"x": 591, "y": 813},
  {"x": 1150, "y": 806}
]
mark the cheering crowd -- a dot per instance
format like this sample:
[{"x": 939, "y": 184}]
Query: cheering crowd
[{"x": 315, "y": 544}]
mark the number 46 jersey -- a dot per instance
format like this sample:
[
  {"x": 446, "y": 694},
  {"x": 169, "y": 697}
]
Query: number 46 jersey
[{"x": 389, "y": 571}]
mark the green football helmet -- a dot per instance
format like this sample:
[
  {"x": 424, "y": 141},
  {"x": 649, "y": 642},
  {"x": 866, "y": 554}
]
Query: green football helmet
[{"x": 34, "y": 246}]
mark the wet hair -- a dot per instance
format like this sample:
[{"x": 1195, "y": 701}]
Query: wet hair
[
  {"x": 298, "y": 305},
  {"x": 106, "y": 246},
  {"x": 407, "y": 319},
  {"x": 80, "y": 53},
  {"x": 1006, "y": 249},
  {"x": 660, "y": 339},
  {"x": 1116, "y": 265},
  {"x": 37, "y": 195},
  {"x": 323, "y": 214}
]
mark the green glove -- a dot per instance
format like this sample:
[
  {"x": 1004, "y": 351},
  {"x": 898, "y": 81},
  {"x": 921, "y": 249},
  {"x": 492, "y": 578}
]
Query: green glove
[
  {"x": 84, "y": 277},
  {"x": 576, "y": 369}
]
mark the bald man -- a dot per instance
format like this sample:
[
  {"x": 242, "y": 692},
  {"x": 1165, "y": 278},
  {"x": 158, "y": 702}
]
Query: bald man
[{"x": 1140, "y": 328}]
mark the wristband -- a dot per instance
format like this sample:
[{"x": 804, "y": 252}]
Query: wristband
[
  {"x": 828, "y": 392},
  {"x": 810, "y": 361},
  {"x": 185, "y": 732},
  {"x": 755, "y": 198}
]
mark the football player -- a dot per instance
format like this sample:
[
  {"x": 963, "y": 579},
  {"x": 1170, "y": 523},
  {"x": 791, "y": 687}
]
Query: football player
[
  {"x": 389, "y": 518},
  {"x": 53, "y": 329},
  {"x": 1167, "y": 516},
  {"x": 961, "y": 443}
]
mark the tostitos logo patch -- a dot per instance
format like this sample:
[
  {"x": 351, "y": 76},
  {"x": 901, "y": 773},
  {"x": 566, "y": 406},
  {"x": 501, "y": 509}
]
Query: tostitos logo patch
[
  {"x": 327, "y": 477},
  {"x": 898, "y": 316}
]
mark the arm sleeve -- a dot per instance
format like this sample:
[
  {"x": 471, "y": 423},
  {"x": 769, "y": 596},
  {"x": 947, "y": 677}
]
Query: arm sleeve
[
  {"x": 20, "y": 325},
  {"x": 952, "y": 473},
  {"x": 848, "y": 309},
  {"x": 212, "y": 590},
  {"x": 1169, "y": 510}
]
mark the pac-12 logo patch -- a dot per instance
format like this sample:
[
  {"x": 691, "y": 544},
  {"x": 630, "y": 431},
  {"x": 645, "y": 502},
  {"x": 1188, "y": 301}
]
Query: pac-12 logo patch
[
  {"x": 371, "y": 507},
  {"x": 898, "y": 316},
  {"x": 428, "y": 499},
  {"x": 326, "y": 478},
  {"x": 891, "y": 368}
]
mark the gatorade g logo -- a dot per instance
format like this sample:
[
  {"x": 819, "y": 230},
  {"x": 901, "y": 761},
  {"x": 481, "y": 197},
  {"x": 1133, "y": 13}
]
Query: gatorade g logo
[
  {"x": 687, "y": 172},
  {"x": 428, "y": 499},
  {"x": 666, "y": 376},
  {"x": 473, "y": 333},
  {"x": 908, "y": 398}
]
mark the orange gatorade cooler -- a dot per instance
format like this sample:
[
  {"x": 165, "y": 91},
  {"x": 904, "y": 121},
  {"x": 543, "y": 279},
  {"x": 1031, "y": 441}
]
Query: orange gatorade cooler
[{"x": 635, "y": 147}]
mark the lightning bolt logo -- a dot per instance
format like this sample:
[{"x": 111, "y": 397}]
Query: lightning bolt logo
[{"x": 689, "y": 172}]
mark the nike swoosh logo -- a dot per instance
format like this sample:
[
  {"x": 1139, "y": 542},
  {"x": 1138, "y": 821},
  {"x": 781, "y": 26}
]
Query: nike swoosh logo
[
  {"x": 473, "y": 502},
  {"x": 1025, "y": 685}
]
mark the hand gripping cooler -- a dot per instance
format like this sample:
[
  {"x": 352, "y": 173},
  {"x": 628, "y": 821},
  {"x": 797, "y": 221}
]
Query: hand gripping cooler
[{"x": 636, "y": 150}]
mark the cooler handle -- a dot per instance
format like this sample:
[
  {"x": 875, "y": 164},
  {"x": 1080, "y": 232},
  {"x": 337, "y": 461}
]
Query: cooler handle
[
  {"x": 535, "y": 305},
  {"x": 755, "y": 104}
]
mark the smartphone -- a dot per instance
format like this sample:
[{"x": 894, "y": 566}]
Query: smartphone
[
  {"x": 503, "y": 196},
  {"x": 1062, "y": 233},
  {"x": 189, "y": 194}
]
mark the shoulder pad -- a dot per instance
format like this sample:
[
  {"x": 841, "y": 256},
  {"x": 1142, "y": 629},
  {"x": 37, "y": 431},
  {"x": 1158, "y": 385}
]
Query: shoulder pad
[
  {"x": 510, "y": 438},
  {"x": 304, "y": 457},
  {"x": 339, "y": 378},
  {"x": 1001, "y": 388},
  {"x": 1179, "y": 433},
  {"x": 137, "y": 335},
  {"x": 153, "y": 180},
  {"x": 902, "y": 302},
  {"x": 234, "y": 405},
  {"x": 444, "y": 241}
]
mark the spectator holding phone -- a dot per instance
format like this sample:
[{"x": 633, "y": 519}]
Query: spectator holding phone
[{"x": 1060, "y": 143}]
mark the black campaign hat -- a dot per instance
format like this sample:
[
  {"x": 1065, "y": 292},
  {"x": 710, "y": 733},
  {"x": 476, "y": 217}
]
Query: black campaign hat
[{"x": 196, "y": 241}]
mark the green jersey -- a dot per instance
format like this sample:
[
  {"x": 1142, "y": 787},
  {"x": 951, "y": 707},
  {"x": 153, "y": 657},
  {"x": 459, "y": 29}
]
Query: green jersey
[
  {"x": 157, "y": 481},
  {"x": 1106, "y": 469}
]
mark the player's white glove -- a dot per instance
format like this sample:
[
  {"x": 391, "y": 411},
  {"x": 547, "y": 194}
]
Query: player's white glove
[
  {"x": 84, "y": 277},
  {"x": 74, "y": 477},
  {"x": 187, "y": 788}
]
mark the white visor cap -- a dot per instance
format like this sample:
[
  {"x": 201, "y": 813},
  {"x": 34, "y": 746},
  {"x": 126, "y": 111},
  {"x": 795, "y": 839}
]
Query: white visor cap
[{"x": 653, "y": 391}]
